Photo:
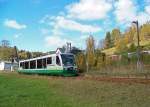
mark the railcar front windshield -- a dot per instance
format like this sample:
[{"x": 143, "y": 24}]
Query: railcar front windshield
[{"x": 68, "y": 60}]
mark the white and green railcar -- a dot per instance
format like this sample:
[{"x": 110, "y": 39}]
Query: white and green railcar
[{"x": 54, "y": 64}]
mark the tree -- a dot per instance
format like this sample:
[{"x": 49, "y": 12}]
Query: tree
[
  {"x": 81, "y": 61},
  {"x": 90, "y": 52},
  {"x": 75, "y": 50},
  {"x": 22, "y": 55},
  {"x": 16, "y": 54},
  {"x": 37, "y": 54},
  {"x": 115, "y": 35},
  {"x": 130, "y": 35},
  {"x": 6, "y": 53},
  {"x": 121, "y": 46},
  {"x": 99, "y": 59},
  {"x": 132, "y": 48},
  {"x": 29, "y": 55},
  {"x": 108, "y": 40},
  {"x": 5, "y": 43},
  {"x": 64, "y": 48}
]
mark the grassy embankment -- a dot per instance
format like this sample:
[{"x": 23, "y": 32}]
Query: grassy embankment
[
  {"x": 123, "y": 68},
  {"x": 44, "y": 91},
  {"x": 110, "y": 51}
]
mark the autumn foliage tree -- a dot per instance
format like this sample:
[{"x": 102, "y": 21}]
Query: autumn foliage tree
[
  {"x": 81, "y": 61},
  {"x": 121, "y": 45},
  {"x": 108, "y": 40},
  {"x": 120, "y": 42},
  {"x": 90, "y": 51},
  {"x": 115, "y": 36}
]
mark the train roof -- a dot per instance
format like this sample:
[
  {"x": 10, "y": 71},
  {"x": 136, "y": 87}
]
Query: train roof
[{"x": 42, "y": 57}]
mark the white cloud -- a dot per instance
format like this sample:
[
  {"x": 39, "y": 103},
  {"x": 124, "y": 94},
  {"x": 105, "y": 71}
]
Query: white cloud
[
  {"x": 13, "y": 24},
  {"x": 125, "y": 11},
  {"x": 17, "y": 35},
  {"x": 55, "y": 41},
  {"x": 89, "y": 9},
  {"x": 143, "y": 17},
  {"x": 61, "y": 22},
  {"x": 47, "y": 19},
  {"x": 147, "y": 9},
  {"x": 57, "y": 32}
]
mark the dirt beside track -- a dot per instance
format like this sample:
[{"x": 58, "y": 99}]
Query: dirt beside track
[
  {"x": 123, "y": 80},
  {"x": 92, "y": 78}
]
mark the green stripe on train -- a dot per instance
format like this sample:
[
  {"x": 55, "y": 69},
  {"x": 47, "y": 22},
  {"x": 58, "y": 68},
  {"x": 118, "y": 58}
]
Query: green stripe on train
[{"x": 45, "y": 71}]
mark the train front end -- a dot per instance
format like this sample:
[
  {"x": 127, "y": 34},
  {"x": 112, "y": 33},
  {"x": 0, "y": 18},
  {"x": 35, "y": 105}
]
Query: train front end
[{"x": 69, "y": 65}]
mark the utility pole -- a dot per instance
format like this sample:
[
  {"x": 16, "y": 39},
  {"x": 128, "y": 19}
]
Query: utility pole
[{"x": 139, "y": 64}]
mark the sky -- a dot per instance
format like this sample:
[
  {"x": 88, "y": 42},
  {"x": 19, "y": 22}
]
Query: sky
[{"x": 45, "y": 25}]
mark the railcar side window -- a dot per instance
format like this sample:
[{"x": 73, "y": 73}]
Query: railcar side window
[
  {"x": 32, "y": 64},
  {"x": 39, "y": 63},
  {"x": 21, "y": 64},
  {"x": 26, "y": 65},
  {"x": 57, "y": 60},
  {"x": 49, "y": 60},
  {"x": 44, "y": 63}
]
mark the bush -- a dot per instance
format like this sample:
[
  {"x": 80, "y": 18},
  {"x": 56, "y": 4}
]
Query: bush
[{"x": 81, "y": 62}]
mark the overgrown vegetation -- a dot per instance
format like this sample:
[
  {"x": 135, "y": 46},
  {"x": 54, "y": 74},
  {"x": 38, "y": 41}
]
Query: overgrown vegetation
[{"x": 118, "y": 51}]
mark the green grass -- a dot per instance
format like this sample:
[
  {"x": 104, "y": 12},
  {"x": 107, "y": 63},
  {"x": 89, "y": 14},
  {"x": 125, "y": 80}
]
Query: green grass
[{"x": 44, "y": 91}]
